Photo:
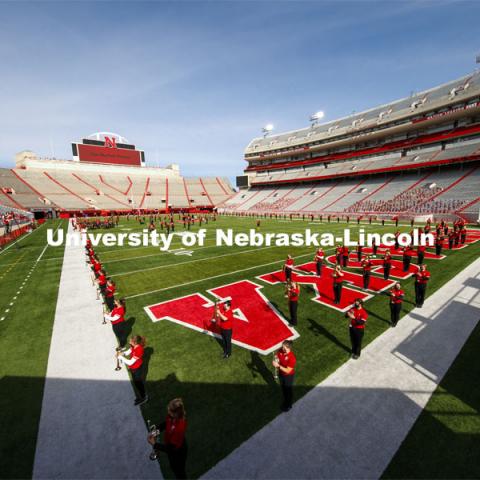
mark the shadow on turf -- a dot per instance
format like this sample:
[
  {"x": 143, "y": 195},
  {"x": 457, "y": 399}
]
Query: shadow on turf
[{"x": 318, "y": 329}]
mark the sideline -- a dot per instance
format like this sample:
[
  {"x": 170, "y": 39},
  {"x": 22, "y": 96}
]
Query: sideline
[{"x": 89, "y": 427}]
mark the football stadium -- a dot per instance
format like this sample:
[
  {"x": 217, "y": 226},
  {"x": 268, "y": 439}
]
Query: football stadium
[{"x": 309, "y": 310}]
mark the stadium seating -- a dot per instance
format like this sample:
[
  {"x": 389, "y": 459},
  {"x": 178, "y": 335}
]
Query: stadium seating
[{"x": 78, "y": 188}]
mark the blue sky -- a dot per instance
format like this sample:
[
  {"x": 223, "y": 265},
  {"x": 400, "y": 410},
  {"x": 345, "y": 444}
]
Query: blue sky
[{"x": 193, "y": 82}]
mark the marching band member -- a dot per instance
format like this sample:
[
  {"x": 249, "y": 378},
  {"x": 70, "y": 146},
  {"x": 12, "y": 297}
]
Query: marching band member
[
  {"x": 117, "y": 319},
  {"x": 293, "y": 291},
  {"x": 358, "y": 318},
  {"x": 421, "y": 279},
  {"x": 345, "y": 254},
  {"x": 224, "y": 315},
  {"x": 102, "y": 281},
  {"x": 134, "y": 364},
  {"x": 288, "y": 267},
  {"x": 407, "y": 257},
  {"x": 338, "y": 254},
  {"x": 174, "y": 441},
  {"x": 337, "y": 275},
  {"x": 110, "y": 294},
  {"x": 284, "y": 362},
  {"x": 387, "y": 264},
  {"x": 438, "y": 245},
  {"x": 396, "y": 299},
  {"x": 421, "y": 254},
  {"x": 318, "y": 259},
  {"x": 366, "y": 268}
]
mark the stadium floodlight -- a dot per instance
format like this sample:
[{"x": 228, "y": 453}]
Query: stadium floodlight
[
  {"x": 267, "y": 129},
  {"x": 316, "y": 117}
]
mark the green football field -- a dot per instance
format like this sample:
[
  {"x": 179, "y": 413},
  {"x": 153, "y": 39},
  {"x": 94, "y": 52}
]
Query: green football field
[{"x": 226, "y": 401}]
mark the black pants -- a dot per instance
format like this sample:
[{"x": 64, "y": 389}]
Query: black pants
[
  {"x": 375, "y": 248},
  {"x": 450, "y": 244},
  {"x": 337, "y": 292},
  {"x": 356, "y": 337},
  {"x": 227, "y": 341},
  {"x": 288, "y": 274},
  {"x": 386, "y": 272},
  {"x": 319, "y": 269},
  {"x": 420, "y": 258},
  {"x": 120, "y": 332},
  {"x": 395, "y": 312},
  {"x": 177, "y": 457},
  {"x": 406, "y": 263},
  {"x": 338, "y": 259},
  {"x": 286, "y": 382},
  {"x": 359, "y": 255},
  {"x": 110, "y": 302},
  {"x": 137, "y": 375},
  {"x": 366, "y": 280},
  {"x": 438, "y": 249},
  {"x": 292, "y": 306},
  {"x": 420, "y": 289},
  {"x": 345, "y": 261}
]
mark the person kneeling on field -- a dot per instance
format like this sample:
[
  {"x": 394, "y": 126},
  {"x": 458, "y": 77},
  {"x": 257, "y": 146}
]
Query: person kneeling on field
[{"x": 174, "y": 442}]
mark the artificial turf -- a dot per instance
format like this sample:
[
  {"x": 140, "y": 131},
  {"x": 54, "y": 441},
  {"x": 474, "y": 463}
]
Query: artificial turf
[
  {"x": 25, "y": 334},
  {"x": 229, "y": 401},
  {"x": 445, "y": 440}
]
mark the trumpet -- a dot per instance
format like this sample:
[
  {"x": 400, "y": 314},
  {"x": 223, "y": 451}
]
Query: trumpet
[
  {"x": 153, "y": 432},
  {"x": 275, "y": 372}
]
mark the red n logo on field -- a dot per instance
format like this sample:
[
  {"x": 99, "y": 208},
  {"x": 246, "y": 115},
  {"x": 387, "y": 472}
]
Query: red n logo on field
[
  {"x": 323, "y": 285},
  {"x": 110, "y": 142},
  {"x": 257, "y": 324}
]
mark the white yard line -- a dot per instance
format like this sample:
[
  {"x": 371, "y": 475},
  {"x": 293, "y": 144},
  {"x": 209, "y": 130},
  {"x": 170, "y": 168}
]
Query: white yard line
[
  {"x": 212, "y": 257},
  {"x": 352, "y": 424},
  {"x": 222, "y": 274},
  {"x": 89, "y": 427}
]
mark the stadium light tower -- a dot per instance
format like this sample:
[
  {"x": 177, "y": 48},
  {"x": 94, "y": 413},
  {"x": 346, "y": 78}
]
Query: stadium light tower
[
  {"x": 267, "y": 129},
  {"x": 316, "y": 117}
]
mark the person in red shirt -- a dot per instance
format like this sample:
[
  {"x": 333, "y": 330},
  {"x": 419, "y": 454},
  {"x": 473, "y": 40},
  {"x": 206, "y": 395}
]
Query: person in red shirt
[
  {"x": 284, "y": 362},
  {"x": 387, "y": 264},
  {"x": 345, "y": 254},
  {"x": 110, "y": 294},
  {"x": 288, "y": 267},
  {"x": 318, "y": 259},
  {"x": 292, "y": 293},
  {"x": 338, "y": 254},
  {"x": 174, "y": 441},
  {"x": 224, "y": 316},
  {"x": 439, "y": 244},
  {"x": 407, "y": 257},
  {"x": 366, "y": 268},
  {"x": 337, "y": 275},
  {"x": 420, "y": 254},
  {"x": 396, "y": 299},
  {"x": 358, "y": 318},
  {"x": 135, "y": 363},
  {"x": 102, "y": 281},
  {"x": 421, "y": 279},
  {"x": 117, "y": 318}
]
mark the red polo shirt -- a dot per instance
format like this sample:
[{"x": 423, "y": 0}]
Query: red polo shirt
[
  {"x": 396, "y": 296},
  {"x": 287, "y": 360},
  {"x": 359, "y": 315}
]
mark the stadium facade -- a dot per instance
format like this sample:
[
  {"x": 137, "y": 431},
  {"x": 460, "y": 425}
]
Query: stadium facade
[{"x": 104, "y": 176}]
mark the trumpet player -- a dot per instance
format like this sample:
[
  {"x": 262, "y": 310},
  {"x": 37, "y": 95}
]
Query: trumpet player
[
  {"x": 284, "y": 363},
  {"x": 358, "y": 318},
  {"x": 288, "y": 268},
  {"x": 292, "y": 293},
  {"x": 223, "y": 316},
  {"x": 134, "y": 364},
  {"x": 337, "y": 275},
  {"x": 174, "y": 441}
]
